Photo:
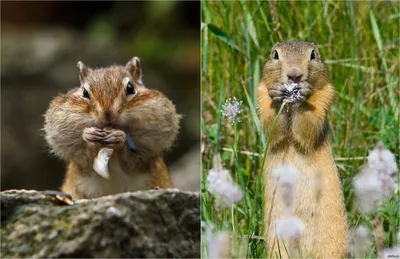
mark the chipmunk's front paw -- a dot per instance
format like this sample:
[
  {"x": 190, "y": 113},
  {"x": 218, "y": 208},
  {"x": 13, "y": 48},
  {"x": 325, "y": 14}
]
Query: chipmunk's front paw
[
  {"x": 106, "y": 138},
  {"x": 114, "y": 138},
  {"x": 93, "y": 135}
]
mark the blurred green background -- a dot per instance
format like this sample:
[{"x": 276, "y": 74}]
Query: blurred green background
[
  {"x": 359, "y": 41},
  {"x": 41, "y": 44}
]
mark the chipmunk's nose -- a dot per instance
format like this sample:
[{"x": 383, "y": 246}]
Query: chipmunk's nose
[
  {"x": 106, "y": 118},
  {"x": 107, "y": 115},
  {"x": 295, "y": 75}
]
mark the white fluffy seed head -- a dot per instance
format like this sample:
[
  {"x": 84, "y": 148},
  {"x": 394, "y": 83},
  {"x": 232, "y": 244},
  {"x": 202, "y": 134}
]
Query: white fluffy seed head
[
  {"x": 220, "y": 183},
  {"x": 382, "y": 160},
  {"x": 285, "y": 173},
  {"x": 289, "y": 228},
  {"x": 232, "y": 109},
  {"x": 368, "y": 188},
  {"x": 285, "y": 176},
  {"x": 294, "y": 92},
  {"x": 218, "y": 245},
  {"x": 360, "y": 241},
  {"x": 374, "y": 184}
]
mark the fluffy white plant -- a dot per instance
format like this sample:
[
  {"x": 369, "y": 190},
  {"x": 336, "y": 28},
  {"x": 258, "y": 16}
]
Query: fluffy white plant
[
  {"x": 232, "y": 109},
  {"x": 218, "y": 245},
  {"x": 374, "y": 184},
  {"x": 285, "y": 176},
  {"x": 289, "y": 228},
  {"x": 220, "y": 183},
  {"x": 360, "y": 241}
]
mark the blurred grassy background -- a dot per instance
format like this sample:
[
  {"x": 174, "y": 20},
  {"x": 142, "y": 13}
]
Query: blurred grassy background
[
  {"x": 43, "y": 41},
  {"x": 360, "y": 43}
]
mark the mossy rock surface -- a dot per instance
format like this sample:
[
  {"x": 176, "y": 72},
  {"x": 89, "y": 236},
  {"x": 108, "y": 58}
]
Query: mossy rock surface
[{"x": 159, "y": 223}]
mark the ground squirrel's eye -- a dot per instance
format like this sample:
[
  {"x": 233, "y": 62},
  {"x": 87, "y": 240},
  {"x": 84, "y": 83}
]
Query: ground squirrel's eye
[
  {"x": 312, "y": 55},
  {"x": 276, "y": 56},
  {"x": 129, "y": 89},
  {"x": 86, "y": 93}
]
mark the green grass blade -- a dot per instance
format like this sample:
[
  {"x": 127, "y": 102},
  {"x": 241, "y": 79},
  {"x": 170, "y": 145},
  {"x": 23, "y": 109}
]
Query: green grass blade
[
  {"x": 253, "y": 112},
  {"x": 224, "y": 37}
]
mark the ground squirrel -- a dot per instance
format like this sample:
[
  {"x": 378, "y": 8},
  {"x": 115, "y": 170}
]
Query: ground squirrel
[
  {"x": 112, "y": 109},
  {"x": 301, "y": 139}
]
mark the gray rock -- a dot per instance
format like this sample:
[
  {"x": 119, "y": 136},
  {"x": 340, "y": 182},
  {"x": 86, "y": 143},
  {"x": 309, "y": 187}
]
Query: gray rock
[{"x": 158, "y": 223}]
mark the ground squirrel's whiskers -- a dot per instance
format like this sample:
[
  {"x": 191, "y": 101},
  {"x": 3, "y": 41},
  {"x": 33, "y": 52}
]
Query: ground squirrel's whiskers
[{"x": 220, "y": 183}]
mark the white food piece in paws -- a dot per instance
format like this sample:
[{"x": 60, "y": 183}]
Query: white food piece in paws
[
  {"x": 100, "y": 164},
  {"x": 294, "y": 91},
  {"x": 291, "y": 86}
]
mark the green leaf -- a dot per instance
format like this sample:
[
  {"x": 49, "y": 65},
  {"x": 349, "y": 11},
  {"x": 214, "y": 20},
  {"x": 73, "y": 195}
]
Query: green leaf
[
  {"x": 251, "y": 29},
  {"x": 213, "y": 133},
  {"x": 378, "y": 39},
  {"x": 223, "y": 37},
  {"x": 254, "y": 114}
]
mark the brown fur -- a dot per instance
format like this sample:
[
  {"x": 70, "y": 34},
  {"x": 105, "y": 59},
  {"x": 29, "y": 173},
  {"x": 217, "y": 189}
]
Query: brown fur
[
  {"x": 301, "y": 138},
  {"x": 147, "y": 116}
]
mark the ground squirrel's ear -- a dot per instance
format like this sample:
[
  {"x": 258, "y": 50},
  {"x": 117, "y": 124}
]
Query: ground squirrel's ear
[
  {"x": 134, "y": 68},
  {"x": 83, "y": 70},
  {"x": 276, "y": 44}
]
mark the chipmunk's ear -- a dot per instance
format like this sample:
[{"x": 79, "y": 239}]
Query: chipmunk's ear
[
  {"x": 83, "y": 70},
  {"x": 134, "y": 68}
]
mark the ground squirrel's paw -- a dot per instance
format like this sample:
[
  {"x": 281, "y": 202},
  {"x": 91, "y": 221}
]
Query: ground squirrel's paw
[
  {"x": 109, "y": 138},
  {"x": 305, "y": 91},
  {"x": 278, "y": 92}
]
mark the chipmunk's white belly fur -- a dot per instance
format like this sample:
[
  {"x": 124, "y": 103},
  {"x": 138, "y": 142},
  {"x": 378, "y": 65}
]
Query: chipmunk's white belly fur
[{"x": 94, "y": 185}]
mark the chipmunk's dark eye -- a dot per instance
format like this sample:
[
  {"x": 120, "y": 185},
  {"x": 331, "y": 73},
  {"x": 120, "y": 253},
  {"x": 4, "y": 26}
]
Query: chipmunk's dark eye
[
  {"x": 86, "y": 94},
  {"x": 129, "y": 89},
  {"x": 276, "y": 56},
  {"x": 312, "y": 55}
]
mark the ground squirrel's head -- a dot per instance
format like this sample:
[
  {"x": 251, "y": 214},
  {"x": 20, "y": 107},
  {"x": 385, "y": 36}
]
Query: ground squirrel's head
[
  {"x": 115, "y": 97},
  {"x": 294, "y": 62}
]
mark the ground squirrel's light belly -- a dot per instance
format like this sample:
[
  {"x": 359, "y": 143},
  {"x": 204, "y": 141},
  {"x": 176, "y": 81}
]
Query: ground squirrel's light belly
[
  {"x": 318, "y": 201},
  {"x": 306, "y": 187}
]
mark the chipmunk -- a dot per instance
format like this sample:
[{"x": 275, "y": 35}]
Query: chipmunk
[
  {"x": 111, "y": 109},
  {"x": 301, "y": 138}
]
